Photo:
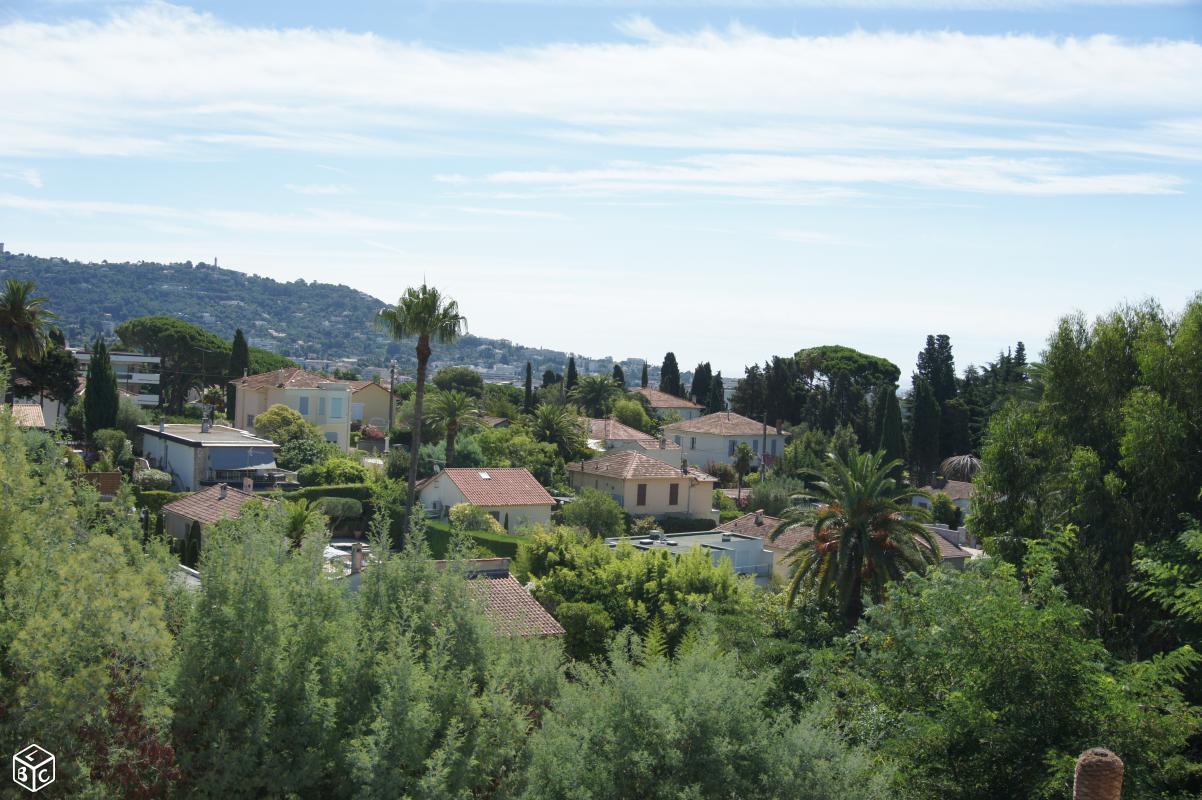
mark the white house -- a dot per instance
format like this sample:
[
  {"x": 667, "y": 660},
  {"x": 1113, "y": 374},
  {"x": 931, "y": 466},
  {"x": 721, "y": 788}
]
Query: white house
[
  {"x": 204, "y": 454},
  {"x": 712, "y": 439},
  {"x": 609, "y": 434},
  {"x": 746, "y": 554},
  {"x": 664, "y": 404},
  {"x": 510, "y": 494},
  {"x": 960, "y": 493},
  {"x": 323, "y": 402},
  {"x": 646, "y": 486},
  {"x": 137, "y": 374}
]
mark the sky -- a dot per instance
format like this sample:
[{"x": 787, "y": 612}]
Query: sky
[{"x": 726, "y": 179}]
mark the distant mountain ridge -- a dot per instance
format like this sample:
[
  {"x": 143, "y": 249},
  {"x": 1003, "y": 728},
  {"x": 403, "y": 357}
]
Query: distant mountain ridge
[{"x": 298, "y": 319}]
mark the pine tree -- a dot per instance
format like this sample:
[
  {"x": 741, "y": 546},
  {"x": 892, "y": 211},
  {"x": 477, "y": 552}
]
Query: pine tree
[
  {"x": 669, "y": 376},
  {"x": 891, "y": 441},
  {"x": 644, "y": 378},
  {"x": 239, "y": 364},
  {"x": 924, "y": 429},
  {"x": 619, "y": 376},
  {"x": 938, "y": 367},
  {"x": 570, "y": 376},
  {"x": 100, "y": 391},
  {"x": 1020, "y": 362},
  {"x": 702, "y": 375},
  {"x": 528, "y": 402},
  {"x": 715, "y": 401}
]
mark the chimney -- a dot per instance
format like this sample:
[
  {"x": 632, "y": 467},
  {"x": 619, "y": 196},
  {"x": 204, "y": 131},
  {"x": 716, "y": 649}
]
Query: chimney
[
  {"x": 663, "y": 442},
  {"x": 1099, "y": 775},
  {"x": 356, "y": 558},
  {"x": 162, "y": 426},
  {"x": 221, "y": 490},
  {"x": 206, "y": 425},
  {"x": 759, "y": 516},
  {"x": 726, "y": 536}
]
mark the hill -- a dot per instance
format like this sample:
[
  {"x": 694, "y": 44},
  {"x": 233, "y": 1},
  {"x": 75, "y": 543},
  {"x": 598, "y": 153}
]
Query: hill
[{"x": 297, "y": 319}]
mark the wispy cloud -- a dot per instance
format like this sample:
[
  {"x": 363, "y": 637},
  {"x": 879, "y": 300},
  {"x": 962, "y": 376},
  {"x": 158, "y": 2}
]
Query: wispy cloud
[
  {"x": 317, "y": 188},
  {"x": 808, "y": 237},
  {"x": 25, "y": 175}
]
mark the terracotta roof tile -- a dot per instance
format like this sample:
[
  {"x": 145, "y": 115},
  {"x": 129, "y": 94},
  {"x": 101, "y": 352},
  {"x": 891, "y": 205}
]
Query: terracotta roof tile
[
  {"x": 28, "y": 416},
  {"x": 629, "y": 464},
  {"x": 610, "y": 428},
  {"x": 512, "y": 609},
  {"x": 509, "y": 486},
  {"x": 660, "y": 399},
  {"x": 723, "y": 423},
  {"x": 956, "y": 490},
  {"x": 207, "y": 506},
  {"x": 292, "y": 377},
  {"x": 107, "y": 483}
]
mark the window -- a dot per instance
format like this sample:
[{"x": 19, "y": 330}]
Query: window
[
  {"x": 332, "y": 436},
  {"x": 356, "y": 412},
  {"x": 674, "y": 494},
  {"x": 692, "y": 442},
  {"x": 250, "y": 421},
  {"x": 642, "y": 495},
  {"x": 773, "y": 447},
  {"x": 676, "y": 439},
  {"x": 335, "y": 408},
  {"x": 321, "y": 406},
  {"x": 755, "y": 446},
  {"x": 302, "y": 405},
  {"x": 732, "y": 447}
]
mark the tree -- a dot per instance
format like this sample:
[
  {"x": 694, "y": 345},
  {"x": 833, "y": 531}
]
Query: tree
[
  {"x": 560, "y": 426},
  {"x": 595, "y": 394},
  {"x": 742, "y": 463},
  {"x": 631, "y": 412},
  {"x": 866, "y": 534},
  {"x": 239, "y": 366},
  {"x": 301, "y": 518},
  {"x": 891, "y": 442},
  {"x": 703, "y": 375},
  {"x": 23, "y": 321},
  {"x": 715, "y": 401},
  {"x": 669, "y": 376},
  {"x": 100, "y": 391},
  {"x": 643, "y": 379},
  {"x": 460, "y": 379},
  {"x": 570, "y": 376},
  {"x": 938, "y": 368},
  {"x": 619, "y": 377},
  {"x": 191, "y": 357},
  {"x": 749, "y": 396},
  {"x": 595, "y": 512},
  {"x": 551, "y": 378},
  {"x": 944, "y": 511},
  {"x": 426, "y": 315},
  {"x": 528, "y": 399},
  {"x": 283, "y": 425},
  {"x": 924, "y": 429},
  {"x": 455, "y": 411},
  {"x": 52, "y": 375}
]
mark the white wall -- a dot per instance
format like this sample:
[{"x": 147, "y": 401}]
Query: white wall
[
  {"x": 179, "y": 460},
  {"x": 701, "y": 449}
]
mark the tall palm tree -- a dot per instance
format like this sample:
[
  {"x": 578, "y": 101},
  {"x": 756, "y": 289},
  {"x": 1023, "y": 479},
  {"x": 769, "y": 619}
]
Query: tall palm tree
[
  {"x": 560, "y": 426},
  {"x": 422, "y": 313},
  {"x": 595, "y": 394},
  {"x": 866, "y": 533},
  {"x": 24, "y": 321},
  {"x": 455, "y": 411}
]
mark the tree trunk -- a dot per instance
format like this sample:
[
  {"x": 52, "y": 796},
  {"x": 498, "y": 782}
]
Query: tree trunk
[
  {"x": 415, "y": 436},
  {"x": 1099, "y": 775}
]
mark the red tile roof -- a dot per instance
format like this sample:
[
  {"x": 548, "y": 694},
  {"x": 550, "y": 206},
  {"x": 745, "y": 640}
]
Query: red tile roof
[
  {"x": 948, "y": 548},
  {"x": 723, "y": 423},
  {"x": 512, "y": 609},
  {"x": 28, "y": 416},
  {"x": 508, "y": 486},
  {"x": 490, "y": 421},
  {"x": 208, "y": 506},
  {"x": 956, "y": 490},
  {"x": 610, "y": 428},
  {"x": 660, "y": 399},
  {"x": 748, "y": 526},
  {"x": 290, "y": 377},
  {"x": 107, "y": 483},
  {"x": 630, "y": 464}
]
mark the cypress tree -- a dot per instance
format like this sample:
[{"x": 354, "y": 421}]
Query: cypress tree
[
  {"x": 239, "y": 364},
  {"x": 924, "y": 429},
  {"x": 100, "y": 392},
  {"x": 669, "y": 376},
  {"x": 644, "y": 383},
  {"x": 619, "y": 376},
  {"x": 570, "y": 375},
  {"x": 891, "y": 441},
  {"x": 715, "y": 400},
  {"x": 528, "y": 403},
  {"x": 700, "y": 390}
]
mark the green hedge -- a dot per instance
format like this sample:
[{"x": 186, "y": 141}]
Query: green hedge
[
  {"x": 503, "y": 545},
  {"x": 685, "y": 524},
  {"x": 355, "y": 491},
  {"x": 154, "y": 500}
]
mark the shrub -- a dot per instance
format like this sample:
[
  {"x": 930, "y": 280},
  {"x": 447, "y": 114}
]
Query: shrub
[
  {"x": 371, "y": 433},
  {"x": 340, "y": 509},
  {"x": 595, "y": 512},
  {"x": 774, "y": 495},
  {"x": 686, "y": 524},
  {"x": 357, "y": 491},
  {"x": 282, "y": 424},
  {"x": 153, "y": 500},
  {"x": 945, "y": 511},
  {"x": 153, "y": 480},
  {"x": 303, "y": 451},
  {"x": 587, "y": 628},
  {"x": 467, "y": 517},
  {"x": 333, "y": 471},
  {"x": 110, "y": 439},
  {"x": 725, "y": 473}
]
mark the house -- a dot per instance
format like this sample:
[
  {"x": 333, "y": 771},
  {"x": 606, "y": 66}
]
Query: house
[
  {"x": 950, "y": 549},
  {"x": 510, "y": 494},
  {"x": 747, "y": 554},
  {"x": 507, "y": 604},
  {"x": 324, "y": 402},
  {"x": 646, "y": 486},
  {"x": 488, "y": 421},
  {"x": 206, "y": 507},
  {"x": 370, "y": 403},
  {"x": 27, "y": 415},
  {"x": 201, "y": 455},
  {"x": 960, "y": 493},
  {"x": 712, "y": 439},
  {"x": 137, "y": 374},
  {"x": 663, "y": 404},
  {"x": 760, "y": 526}
]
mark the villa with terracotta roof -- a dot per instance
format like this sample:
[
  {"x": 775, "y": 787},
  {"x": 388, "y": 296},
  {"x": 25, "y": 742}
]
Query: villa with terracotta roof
[
  {"x": 663, "y": 404},
  {"x": 512, "y": 610},
  {"x": 510, "y": 494},
  {"x": 712, "y": 439},
  {"x": 206, "y": 507},
  {"x": 609, "y": 434},
  {"x": 370, "y": 402},
  {"x": 647, "y": 486},
  {"x": 322, "y": 401},
  {"x": 27, "y": 415},
  {"x": 960, "y": 493}
]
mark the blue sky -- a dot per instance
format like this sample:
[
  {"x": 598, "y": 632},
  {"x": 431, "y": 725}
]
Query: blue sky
[{"x": 728, "y": 180}]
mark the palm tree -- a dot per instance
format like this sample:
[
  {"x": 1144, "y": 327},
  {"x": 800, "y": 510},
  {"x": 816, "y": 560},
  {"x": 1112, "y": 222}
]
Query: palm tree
[
  {"x": 866, "y": 533},
  {"x": 425, "y": 314},
  {"x": 595, "y": 394},
  {"x": 560, "y": 426},
  {"x": 455, "y": 411},
  {"x": 960, "y": 468},
  {"x": 300, "y": 516},
  {"x": 742, "y": 464},
  {"x": 23, "y": 321}
]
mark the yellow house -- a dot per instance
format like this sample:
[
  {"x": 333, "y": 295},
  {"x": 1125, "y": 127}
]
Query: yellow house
[
  {"x": 369, "y": 404},
  {"x": 324, "y": 402},
  {"x": 646, "y": 486}
]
